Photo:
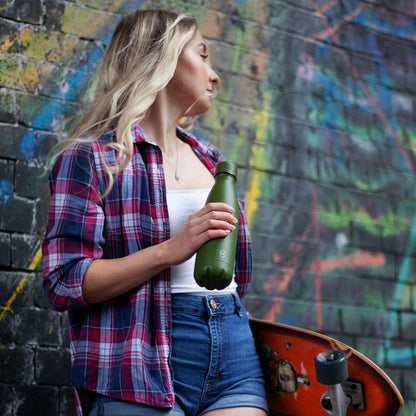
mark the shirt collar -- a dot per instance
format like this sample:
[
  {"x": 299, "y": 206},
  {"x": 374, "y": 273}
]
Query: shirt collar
[{"x": 139, "y": 135}]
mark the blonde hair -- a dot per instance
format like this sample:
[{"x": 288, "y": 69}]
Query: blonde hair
[{"x": 139, "y": 62}]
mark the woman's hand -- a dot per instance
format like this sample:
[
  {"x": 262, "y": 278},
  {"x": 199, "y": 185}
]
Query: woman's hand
[
  {"x": 215, "y": 220},
  {"x": 107, "y": 278}
]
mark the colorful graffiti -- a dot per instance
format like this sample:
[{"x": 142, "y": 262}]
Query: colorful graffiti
[{"x": 316, "y": 105}]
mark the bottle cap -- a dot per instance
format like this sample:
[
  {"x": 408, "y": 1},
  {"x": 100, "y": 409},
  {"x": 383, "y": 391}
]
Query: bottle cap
[{"x": 226, "y": 167}]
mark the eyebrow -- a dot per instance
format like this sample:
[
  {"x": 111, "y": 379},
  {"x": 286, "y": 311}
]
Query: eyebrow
[{"x": 204, "y": 46}]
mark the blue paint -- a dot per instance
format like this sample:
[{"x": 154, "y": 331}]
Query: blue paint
[
  {"x": 51, "y": 113},
  {"x": 323, "y": 50},
  {"x": 405, "y": 27},
  {"x": 6, "y": 192},
  {"x": 401, "y": 354},
  {"x": 348, "y": 92},
  {"x": 27, "y": 145},
  {"x": 371, "y": 45}
]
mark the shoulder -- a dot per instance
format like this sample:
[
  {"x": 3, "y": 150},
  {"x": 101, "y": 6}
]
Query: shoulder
[
  {"x": 88, "y": 144},
  {"x": 81, "y": 155}
]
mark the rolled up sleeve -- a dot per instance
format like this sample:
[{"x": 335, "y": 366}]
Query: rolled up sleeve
[{"x": 74, "y": 235}]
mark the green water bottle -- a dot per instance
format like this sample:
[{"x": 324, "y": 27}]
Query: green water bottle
[{"x": 214, "y": 264}]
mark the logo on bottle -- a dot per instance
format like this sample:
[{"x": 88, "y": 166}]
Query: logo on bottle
[{"x": 220, "y": 253}]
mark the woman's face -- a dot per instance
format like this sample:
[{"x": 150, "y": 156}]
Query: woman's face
[{"x": 193, "y": 83}]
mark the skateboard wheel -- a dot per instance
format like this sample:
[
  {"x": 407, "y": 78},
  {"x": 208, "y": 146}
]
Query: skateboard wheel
[{"x": 331, "y": 367}]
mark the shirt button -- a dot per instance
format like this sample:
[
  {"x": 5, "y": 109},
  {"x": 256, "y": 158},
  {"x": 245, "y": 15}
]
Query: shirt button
[{"x": 213, "y": 304}]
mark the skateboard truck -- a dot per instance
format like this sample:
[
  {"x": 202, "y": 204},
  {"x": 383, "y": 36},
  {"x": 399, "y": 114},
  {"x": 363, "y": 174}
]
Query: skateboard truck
[{"x": 331, "y": 369}]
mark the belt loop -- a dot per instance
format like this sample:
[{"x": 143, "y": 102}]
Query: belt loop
[{"x": 238, "y": 304}]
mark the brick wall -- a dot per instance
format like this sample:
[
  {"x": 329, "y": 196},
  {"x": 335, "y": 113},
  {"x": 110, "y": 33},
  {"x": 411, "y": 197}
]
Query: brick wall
[{"x": 317, "y": 107}]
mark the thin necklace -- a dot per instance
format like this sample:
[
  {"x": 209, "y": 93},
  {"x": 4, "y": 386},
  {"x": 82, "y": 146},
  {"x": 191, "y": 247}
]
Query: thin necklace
[{"x": 177, "y": 174}]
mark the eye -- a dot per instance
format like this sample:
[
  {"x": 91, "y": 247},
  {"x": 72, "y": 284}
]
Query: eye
[{"x": 204, "y": 56}]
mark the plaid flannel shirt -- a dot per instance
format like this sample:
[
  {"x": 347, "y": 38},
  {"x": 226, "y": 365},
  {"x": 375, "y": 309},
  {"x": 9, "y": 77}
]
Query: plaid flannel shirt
[{"x": 120, "y": 347}]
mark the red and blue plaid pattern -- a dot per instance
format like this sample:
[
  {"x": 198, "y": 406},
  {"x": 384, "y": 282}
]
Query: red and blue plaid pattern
[{"x": 121, "y": 347}]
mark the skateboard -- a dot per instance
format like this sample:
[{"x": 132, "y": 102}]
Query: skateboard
[{"x": 309, "y": 373}]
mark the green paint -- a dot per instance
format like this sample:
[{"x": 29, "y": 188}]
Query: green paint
[
  {"x": 402, "y": 278},
  {"x": 372, "y": 298},
  {"x": 336, "y": 217},
  {"x": 9, "y": 72},
  {"x": 236, "y": 63}
]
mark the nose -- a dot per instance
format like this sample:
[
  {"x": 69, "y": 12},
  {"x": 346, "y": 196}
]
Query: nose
[{"x": 213, "y": 77}]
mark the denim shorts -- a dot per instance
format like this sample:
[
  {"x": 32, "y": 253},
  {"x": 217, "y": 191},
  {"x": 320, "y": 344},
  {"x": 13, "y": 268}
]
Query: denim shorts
[{"x": 214, "y": 360}]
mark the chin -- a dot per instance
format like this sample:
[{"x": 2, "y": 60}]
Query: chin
[{"x": 199, "y": 108}]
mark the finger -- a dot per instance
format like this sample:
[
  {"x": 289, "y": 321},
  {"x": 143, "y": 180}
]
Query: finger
[
  {"x": 212, "y": 221},
  {"x": 218, "y": 214},
  {"x": 217, "y": 206}
]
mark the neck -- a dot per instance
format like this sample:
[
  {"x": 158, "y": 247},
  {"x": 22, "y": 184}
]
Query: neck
[{"x": 160, "y": 123}]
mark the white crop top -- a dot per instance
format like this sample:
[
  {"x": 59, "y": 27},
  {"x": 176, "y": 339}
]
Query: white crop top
[{"x": 181, "y": 204}]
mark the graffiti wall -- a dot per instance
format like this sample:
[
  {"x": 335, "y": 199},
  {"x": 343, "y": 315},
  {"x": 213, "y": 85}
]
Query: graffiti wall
[{"x": 316, "y": 106}]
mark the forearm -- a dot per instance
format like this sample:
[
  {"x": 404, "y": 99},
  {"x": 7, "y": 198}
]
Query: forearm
[{"x": 108, "y": 278}]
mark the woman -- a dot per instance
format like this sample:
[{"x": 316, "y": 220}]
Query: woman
[{"x": 126, "y": 217}]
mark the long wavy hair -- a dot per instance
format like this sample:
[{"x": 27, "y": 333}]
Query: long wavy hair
[{"x": 139, "y": 62}]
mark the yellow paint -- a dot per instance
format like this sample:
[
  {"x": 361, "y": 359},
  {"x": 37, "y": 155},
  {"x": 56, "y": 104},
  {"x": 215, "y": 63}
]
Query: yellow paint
[
  {"x": 8, "y": 41},
  {"x": 7, "y": 307},
  {"x": 84, "y": 22},
  {"x": 41, "y": 45},
  {"x": 29, "y": 75},
  {"x": 251, "y": 197},
  {"x": 35, "y": 44},
  {"x": 8, "y": 68},
  {"x": 262, "y": 121},
  {"x": 37, "y": 258}
]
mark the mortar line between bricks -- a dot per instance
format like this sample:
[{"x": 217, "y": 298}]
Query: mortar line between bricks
[
  {"x": 366, "y": 91},
  {"x": 399, "y": 288},
  {"x": 32, "y": 266}
]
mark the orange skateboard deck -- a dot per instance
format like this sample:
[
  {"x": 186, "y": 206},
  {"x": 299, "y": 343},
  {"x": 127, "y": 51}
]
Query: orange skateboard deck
[{"x": 287, "y": 355}]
